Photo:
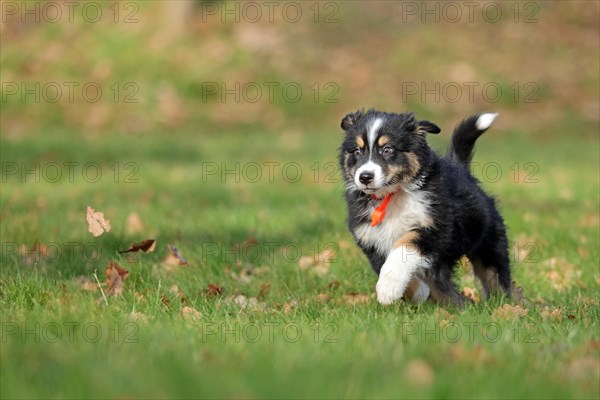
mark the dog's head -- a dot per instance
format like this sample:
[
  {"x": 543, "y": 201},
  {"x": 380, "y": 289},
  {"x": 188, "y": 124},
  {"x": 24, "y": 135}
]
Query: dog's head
[{"x": 383, "y": 153}]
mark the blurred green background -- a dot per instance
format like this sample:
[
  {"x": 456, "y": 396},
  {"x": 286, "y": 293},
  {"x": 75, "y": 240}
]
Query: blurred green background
[{"x": 440, "y": 60}]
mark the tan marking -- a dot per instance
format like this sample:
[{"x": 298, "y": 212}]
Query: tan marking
[
  {"x": 413, "y": 164},
  {"x": 407, "y": 240},
  {"x": 411, "y": 289},
  {"x": 360, "y": 142},
  {"x": 383, "y": 140},
  {"x": 487, "y": 276}
]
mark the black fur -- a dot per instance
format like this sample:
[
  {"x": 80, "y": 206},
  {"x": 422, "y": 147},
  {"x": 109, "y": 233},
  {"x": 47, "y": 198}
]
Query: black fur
[{"x": 465, "y": 220}]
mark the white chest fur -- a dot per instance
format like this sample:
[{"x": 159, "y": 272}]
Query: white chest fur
[{"x": 405, "y": 212}]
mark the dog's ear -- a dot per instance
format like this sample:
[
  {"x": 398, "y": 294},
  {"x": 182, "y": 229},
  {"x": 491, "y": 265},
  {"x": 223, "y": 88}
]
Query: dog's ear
[
  {"x": 424, "y": 127},
  {"x": 350, "y": 120}
]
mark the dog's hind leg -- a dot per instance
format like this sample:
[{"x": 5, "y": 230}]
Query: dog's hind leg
[
  {"x": 443, "y": 289},
  {"x": 491, "y": 264}
]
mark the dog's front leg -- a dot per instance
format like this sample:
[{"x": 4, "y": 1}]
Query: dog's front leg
[{"x": 399, "y": 269}]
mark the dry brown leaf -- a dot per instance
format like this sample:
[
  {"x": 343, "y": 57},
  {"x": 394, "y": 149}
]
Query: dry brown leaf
[
  {"x": 115, "y": 275},
  {"x": 318, "y": 260},
  {"x": 470, "y": 354},
  {"x": 471, "y": 293},
  {"x": 147, "y": 246},
  {"x": 179, "y": 293},
  {"x": 509, "y": 312},
  {"x": 419, "y": 372},
  {"x": 355, "y": 298},
  {"x": 322, "y": 297},
  {"x": 555, "y": 314},
  {"x": 190, "y": 313},
  {"x": 97, "y": 224},
  {"x": 214, "y": 290},
  {"x": 165, "y": 300},
  {"x": 248, "y": 302},
  {"x": 134, "y": 224},
  {"x": 264, "y": 289},
  {"x": 289, "y": 306},
  {"x": 443, "y": 315},
  {"x": 174, "y": 257}
]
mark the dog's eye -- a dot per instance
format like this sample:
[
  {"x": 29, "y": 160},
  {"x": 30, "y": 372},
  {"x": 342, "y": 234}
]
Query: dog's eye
[
  {"x": 387, "y": 150},
  {"x": 357, "y": 152}
]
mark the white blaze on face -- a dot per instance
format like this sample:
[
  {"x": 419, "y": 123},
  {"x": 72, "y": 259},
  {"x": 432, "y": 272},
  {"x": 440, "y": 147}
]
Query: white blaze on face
[
  {"x": 378, "y": 180},
  {"x": 372, "y": 128}
]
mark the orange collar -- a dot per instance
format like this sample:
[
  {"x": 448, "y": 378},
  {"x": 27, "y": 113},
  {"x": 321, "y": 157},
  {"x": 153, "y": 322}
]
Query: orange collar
[{"x": 379, "y": 212}]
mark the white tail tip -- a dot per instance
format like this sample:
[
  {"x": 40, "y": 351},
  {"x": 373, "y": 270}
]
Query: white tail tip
[{"x": 485, "y": 121}]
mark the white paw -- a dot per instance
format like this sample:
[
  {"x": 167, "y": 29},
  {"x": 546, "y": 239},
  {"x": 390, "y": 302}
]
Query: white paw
[{"x": 389, "y": 290}]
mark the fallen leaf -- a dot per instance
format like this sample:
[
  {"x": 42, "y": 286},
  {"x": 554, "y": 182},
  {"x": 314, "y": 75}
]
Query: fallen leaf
[
  {"x": 147, "y": 246},
  {"x": 251, "y": 303},
  {"x": 555, "y": 314},
  {"x": 134, "y": 224},
  {"x": 419, "y": 372},
  {"x": 289, "y": 306},
  {"x": 190, "y": 313},
  {"x": 355, "y": 298},
  {"x": 179, "y": 293},
  {"x": 174, "y": 258},
  {"x": 318, "y": 260},
  {"x": 322, "y": 297},
  {"x": 510, "y": 312},
  {"x": 443, "y": 315},
  {"x": 264, "y": 289},
  {"x": 115, "y": 275},
  {"x": 165, "y": 300},
  {"x": 97, "y": 225},
  {"x": 473, "y": 355},
  {"x": 471, "y": 293},
  {"x": 214, "y": 290}
]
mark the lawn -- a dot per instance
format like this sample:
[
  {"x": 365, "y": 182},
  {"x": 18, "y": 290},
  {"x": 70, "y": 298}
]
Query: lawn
[
  {"x": 282, "y": 325},
  {"x": 276, "y": 301}
]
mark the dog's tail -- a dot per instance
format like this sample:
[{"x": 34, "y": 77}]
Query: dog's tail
[{"x": 465, "y": 135}]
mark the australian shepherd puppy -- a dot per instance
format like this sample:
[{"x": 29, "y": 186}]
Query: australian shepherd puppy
[{"x": 414, "y": 213}]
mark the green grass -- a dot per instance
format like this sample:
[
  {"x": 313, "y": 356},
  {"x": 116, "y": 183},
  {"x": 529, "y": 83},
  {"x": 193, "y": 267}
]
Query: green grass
[{"x": 306, "y": 347}]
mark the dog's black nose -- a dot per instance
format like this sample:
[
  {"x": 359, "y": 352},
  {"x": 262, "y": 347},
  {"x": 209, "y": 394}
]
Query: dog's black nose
[{"x": 365, "y": 177}]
